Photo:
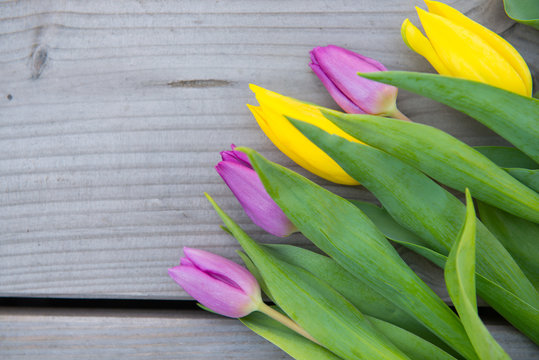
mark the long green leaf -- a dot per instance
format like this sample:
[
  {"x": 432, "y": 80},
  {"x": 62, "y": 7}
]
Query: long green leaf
[
  {"x": 422, "y": 206},
  {"x": 460, "y": 280},
  {"x": 289, "y": 341},
  {"x": 507, "y": 157},
  {"x": 348, "y": 236},
  {"x": 502, "y": 300},
  {"x": 417, "y": 347},
  {"x": 315, "y": 306},
  {"x": 528, "y": 177},
  {"x": 523, "y": 11},
  {"x": 254, "y": 270},
  {"x": 510, "y": 115},
  {"x": 443, "y": 158},
  {"x": 389, "y": 227},
  {"x": 518, "y": 236},
  {"x": 411, "y": 344},
  {"x": 355, "y": 289}
]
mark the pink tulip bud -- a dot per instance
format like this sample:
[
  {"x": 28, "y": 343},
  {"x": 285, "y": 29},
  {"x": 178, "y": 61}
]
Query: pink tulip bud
[
  {"x": 217, "y": 283},
  {"x": 243, "y": 181},
  {"x": 337, "y": 68}
]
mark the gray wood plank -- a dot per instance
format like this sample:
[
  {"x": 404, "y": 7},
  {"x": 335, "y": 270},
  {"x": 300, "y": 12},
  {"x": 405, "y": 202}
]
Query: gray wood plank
[
  {"x": 112, "y": 115},
  {"x": 108, "y": 334}
]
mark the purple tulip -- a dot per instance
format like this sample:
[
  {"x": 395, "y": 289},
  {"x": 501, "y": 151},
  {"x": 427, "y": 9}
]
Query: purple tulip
[
  {"x": 337, "y": 68},
  {"x": 217, "y": 283},
  {"x": 239, "y": 175}
]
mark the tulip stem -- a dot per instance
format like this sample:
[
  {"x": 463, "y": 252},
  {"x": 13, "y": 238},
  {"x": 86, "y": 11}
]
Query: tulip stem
[
  {"x": 398, "y": 115},
  {"x": 274, "y": 314}
]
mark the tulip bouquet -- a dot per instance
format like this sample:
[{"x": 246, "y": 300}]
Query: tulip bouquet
[{"x": 359, "y": 299}]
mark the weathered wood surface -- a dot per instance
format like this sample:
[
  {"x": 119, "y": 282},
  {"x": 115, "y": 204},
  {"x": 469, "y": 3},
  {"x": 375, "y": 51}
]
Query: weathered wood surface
[
  {"x": 112, "y": 115},
  {"x": 87, "y": 334}
]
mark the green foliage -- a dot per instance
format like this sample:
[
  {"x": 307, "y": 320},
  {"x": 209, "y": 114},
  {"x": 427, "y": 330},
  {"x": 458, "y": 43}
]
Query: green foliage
[
  {"x": 518, "y": 236},
  {"x": 315, "y": 306},
  {"x": 523, "y": 11},
  {"x": 355, "y": 289},
  {"x": 404, "y": 337},
  {"x": 507, "y": 157},
  {"x": 423, "y": 207},
  {"x": 492, "y": 106},
  {"x": 342, "y": 231},
  {"x": 460, "y": 279},
  {"x": 444, "y": 158},
  {"x": 289, "y": 341}
]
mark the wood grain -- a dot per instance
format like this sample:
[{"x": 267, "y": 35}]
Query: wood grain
[
  {"x": 112, "y": 115},
  {"x": 110, "y": 334}
]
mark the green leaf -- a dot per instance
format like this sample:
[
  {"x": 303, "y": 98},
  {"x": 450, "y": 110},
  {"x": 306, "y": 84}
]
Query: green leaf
[
  {"x": 507, "y": 303},
  {"x": 512, "y": 116},
  {"x": 518, "y": 236},
  {"x": 444, "y": 158},
  {"x": 507, "y": 157},
  {"x": 289, "y": 341},
  {"x": 398, "y": 233},
  {"x": 530, "y": 178},
  {"x": 412, "y": 345},
  {"x": 523, "y": 11},
  {"x": 355, "y": 289},
  {"x": 404, "y": 337},
  {"x": 254, "y": 270},
  {"x": 460, "y": 280},
  {"x": 315, "y": 306},
  {"x": 422, "y": 206},
  {"x": 389, "y": 227},
  {"x": 349, "y": 237}
]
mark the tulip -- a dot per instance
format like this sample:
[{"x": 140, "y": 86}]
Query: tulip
[
  {"x": 457, "y": 46},
  {"x": 245, "y": 184},
  {"x": 217, "y": 283},
  {"x": 272, "y": 115},
  {"x": 337, "y": 68},
  {"x": 224, "y": 287}
]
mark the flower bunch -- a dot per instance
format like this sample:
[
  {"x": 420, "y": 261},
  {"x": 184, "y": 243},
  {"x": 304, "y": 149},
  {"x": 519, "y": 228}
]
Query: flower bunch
[{"x": 360, "y": 300}]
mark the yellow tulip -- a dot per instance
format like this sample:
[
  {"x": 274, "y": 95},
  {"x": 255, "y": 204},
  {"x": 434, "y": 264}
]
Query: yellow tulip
[
  {"x": 457, "y": 46},
  {"x": 270, "y": 116}
]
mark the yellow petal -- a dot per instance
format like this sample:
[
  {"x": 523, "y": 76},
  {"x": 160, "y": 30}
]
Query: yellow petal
[
  {"x": 508, "y": 52},
  {"x": 296, "y": 109},
  {"x": 421, "y": 45},
  {"x": 469, "y": 56},
  {"x": 262, "y": 120},
  {"x": 290, "y": 140}
]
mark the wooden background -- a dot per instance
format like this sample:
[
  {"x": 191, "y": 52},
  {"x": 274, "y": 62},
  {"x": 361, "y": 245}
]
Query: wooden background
[{"x": 112, "y": 114}]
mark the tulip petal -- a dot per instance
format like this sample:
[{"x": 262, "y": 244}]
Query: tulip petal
[
  {"x": 294, "y": 145},
  {"x": 212, "y": 293},
  {"x": 469, "y": 55},
  {"x": 296, "y": 109},
  {"x": 235, "y": 156},
  {"x": 186, "y": 262},
  {"x": 505, "y": 49},
  {"x": 258, "y": 205},
  {"x": 341, "y": 66},
  {"x": 421, "y": 45},
  {"x": 231, "y": 273},
  {"x": 340, "y": 98},
  {"x": 270, "y": 116},
  {"x": 259, "y": 117}
]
